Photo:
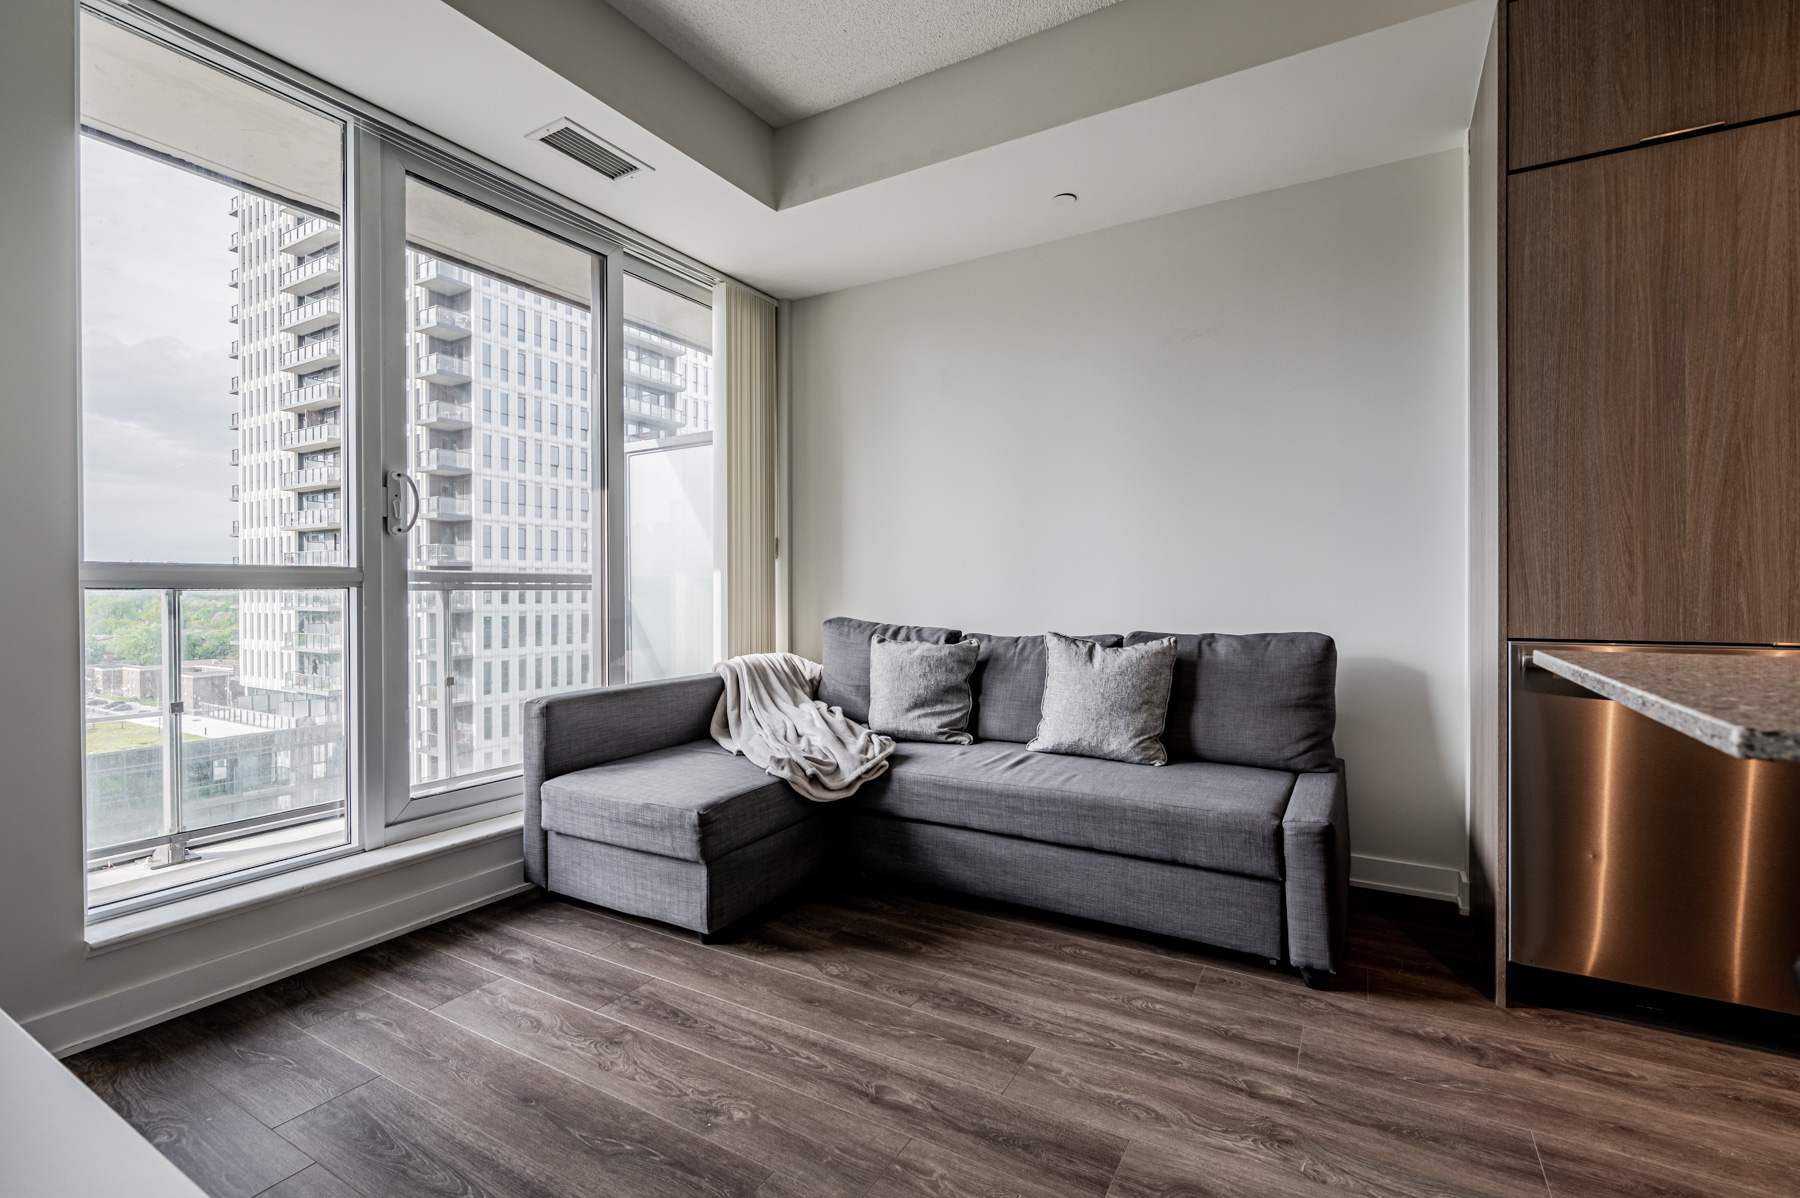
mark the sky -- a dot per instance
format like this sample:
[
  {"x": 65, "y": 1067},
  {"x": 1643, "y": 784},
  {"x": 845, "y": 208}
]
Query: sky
[{"x": 156, "y": 400}]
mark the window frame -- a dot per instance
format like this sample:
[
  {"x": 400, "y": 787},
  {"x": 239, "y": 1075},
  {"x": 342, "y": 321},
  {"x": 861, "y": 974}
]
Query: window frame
[{"x": 380, "y": 152}]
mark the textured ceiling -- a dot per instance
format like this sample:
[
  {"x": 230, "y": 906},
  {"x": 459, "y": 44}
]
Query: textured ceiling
[{"x": 788, "y": 59}]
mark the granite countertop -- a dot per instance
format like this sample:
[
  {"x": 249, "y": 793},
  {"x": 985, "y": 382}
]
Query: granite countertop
[{"x": 1744, "y": 704}]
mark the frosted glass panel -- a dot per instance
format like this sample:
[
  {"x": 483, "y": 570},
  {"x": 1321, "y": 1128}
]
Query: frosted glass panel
[{"x": 669, "y": 506}]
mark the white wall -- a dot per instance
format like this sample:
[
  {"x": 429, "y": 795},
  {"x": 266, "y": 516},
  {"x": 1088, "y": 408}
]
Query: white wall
[
  {"x": 1245, "y": 417},
  {"x": 47, "y": 980}
]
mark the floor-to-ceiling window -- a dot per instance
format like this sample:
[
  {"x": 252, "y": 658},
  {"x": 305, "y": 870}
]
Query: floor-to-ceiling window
[{"x": 355, "y": 414}]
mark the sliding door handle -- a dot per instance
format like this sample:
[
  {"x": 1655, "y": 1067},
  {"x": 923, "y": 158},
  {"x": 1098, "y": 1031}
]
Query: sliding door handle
[{"x": 398, "y": 522}]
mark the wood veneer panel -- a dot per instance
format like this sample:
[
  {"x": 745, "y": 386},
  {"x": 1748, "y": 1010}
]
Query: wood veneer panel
[
  {"x": 1594, "y": 75},
  {"x": 1653, "y": 420}
]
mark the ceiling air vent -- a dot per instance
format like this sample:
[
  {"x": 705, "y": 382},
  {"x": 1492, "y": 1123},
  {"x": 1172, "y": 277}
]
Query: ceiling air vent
[{"x": 592, "y": 152}]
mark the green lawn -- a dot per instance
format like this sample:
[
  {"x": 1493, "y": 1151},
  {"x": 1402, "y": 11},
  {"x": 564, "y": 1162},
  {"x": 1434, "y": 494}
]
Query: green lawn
[{"x": 115, "y": 735}]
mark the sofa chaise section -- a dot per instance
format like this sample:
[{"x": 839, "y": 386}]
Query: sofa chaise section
[{"x": 631, "y": 805}]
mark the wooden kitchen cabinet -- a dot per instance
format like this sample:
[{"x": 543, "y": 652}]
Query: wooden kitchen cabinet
[
  {"x": 1653, "y": 419},
  {"x": 1592, "y": 75}
]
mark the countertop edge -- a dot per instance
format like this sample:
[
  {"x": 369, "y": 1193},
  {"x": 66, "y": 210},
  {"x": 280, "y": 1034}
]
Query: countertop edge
[{"x": 1732, "y": 739}]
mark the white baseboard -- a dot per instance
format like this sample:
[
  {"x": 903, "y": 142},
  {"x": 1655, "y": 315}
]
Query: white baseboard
[
  {"x": 1409, "y": 877},
  {"x": 109, "y": 1016}
]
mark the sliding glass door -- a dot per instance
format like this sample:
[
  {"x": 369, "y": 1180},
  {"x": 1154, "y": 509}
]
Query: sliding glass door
[{"x": 501, "y": 396}]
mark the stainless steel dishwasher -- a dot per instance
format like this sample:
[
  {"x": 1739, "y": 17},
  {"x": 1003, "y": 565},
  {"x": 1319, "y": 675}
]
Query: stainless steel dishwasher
[{"x": 1640, "y": 855}]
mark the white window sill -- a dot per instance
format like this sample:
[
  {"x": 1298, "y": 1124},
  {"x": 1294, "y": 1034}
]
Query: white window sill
[{"x": 121, "y": 930}]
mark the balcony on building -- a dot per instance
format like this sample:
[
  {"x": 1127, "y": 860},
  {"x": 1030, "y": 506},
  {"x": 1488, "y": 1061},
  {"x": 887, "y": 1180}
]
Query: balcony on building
[
  {"x": 232, "y": 207},
  {"x": 314, "y": 515},
  {"x": 234, "y": 492},
  {"x": 233, "y": 280},
  {"x": 233, "y": 389},
  {"x": 313, "y": 275},
  {"x": 317, "y": 557},
  {"x": 232, "y": 353},
  {"x": 671, "y": 417},
  {"x": 313, "y": 684},
  {"x": 312, "y": 396},
  {"x": 656, "y": 341},
  {"x": 444, "y": 323},
  {"x": 461, "y": 648},
  {"x": 442, "y": 369},
  {"x": 655, "y": 376},
  {"x": 327, "y": 641},
  {"x": 445, "y": 507},
  {"x": 434, "y": 274},
  {"x": 327, "y": 434},
  {"x": 234, "y": 314},
  {"x": 310, "y": 236},
  {"x": 312, "y": 478},
  {"x": 437, "y": 414},
  {"x": 313, "y": 356},
  {"x": 234, "y": 528},
  {"x": 442, "y": 555},
  {"x": 313, "y": 315},
  {"x": 232, "y": 247},
  {"x": 314, "y": 601},
  {"x": 445, "y": 461}
]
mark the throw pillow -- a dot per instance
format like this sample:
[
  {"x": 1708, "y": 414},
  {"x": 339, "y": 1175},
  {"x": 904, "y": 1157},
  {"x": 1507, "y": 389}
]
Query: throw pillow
[
  {"x": 920, "y": 691},
  {"x": 1009, "y": 684},
  {"x": 1108, "y": 703},
  {"x": 845, "y": 682},
  {"x": 1268, "y": 699}
]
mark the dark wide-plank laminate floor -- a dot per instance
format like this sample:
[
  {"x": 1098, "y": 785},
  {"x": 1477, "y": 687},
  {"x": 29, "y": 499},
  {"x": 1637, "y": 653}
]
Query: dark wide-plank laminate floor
[{"x": 887, "y": 1045}]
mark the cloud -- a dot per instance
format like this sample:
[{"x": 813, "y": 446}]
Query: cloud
[{"x": 156, "y": 401}]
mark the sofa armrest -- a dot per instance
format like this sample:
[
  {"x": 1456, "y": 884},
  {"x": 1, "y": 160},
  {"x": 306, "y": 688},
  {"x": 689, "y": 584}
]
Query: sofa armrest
[
  {"x": 566, "y": 733},
  {"x": 1316, "y": 843}
]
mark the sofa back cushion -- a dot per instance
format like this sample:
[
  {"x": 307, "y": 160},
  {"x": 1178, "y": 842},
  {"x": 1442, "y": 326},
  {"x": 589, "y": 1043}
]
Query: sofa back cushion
[
  {"x": 1267, "y": 699},
  {"x": 845, "y": 682},
  {"x": 1009, "y": 684}
]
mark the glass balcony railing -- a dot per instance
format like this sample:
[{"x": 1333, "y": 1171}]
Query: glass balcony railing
[
  {"x": 309, "y": 236},
  {"x": 313, "y": 315},
  {"x": 445, "y": 507},
  {"x": 444, "y": 415},
  {"x": 435, "y": 274},
  {"x": 442, "y": 322},
  {"x": 312, "y": 478},
  {"x": 310, "y": 276},
  {"x": 314, "y": 516},
  {"x": 446, "y": 555},
  {"x": 314, "y": 436},
  {"x": 442, "y": 368},
  {"x": 312, "y": 396},
  {"x": 445, "y": 461},
  {"x": 314, "y": 355}
]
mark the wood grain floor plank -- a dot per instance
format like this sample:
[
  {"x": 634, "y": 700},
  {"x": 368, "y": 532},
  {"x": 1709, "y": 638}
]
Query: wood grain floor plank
[
  {"x": 1052, "y": 1001},
  {"x": 314, "y": 1181},
  {"x": 817, "y": 1150},
  {"x": 1576, "y": 1170},
  {"x": 1160, "y": 1170},
  {"x": 1610, "y": 1119},
  {"x": 258, "y": 1058},
  {"x": 565, "y": 923},
  {"x": 952, "y": 1049},
  {"x": 321, "y": 993},
  {"x": 586, "y": 1141},
  {"x": 1005, "y": 1135},
  {"x": 924, "y": 1169},
  {"x": 218, "y": 1144},
  {"x": 389, "y": 1143},
  {"x": 419, "y": 971},
  {"x": 1357, "y": 1144},
  {"x": 565, "y": 972},
  {"x": 1115, "y": 957}
]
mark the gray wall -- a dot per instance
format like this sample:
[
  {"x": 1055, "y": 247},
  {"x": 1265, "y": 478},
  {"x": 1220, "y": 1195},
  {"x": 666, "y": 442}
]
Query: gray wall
[
  {"x": 1244, "y": 417},
  {"x": 47, "y": 981}
]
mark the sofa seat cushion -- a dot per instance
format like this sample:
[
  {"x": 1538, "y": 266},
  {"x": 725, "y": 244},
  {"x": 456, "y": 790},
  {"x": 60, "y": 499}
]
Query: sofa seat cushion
[
  {"x": 1224, "y": 817},
  {"x": 694, "y": 801}
]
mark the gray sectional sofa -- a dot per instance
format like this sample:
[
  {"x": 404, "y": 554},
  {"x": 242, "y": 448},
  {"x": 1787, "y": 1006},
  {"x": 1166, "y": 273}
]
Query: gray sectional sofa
[{"x": 1241, "y": 841}]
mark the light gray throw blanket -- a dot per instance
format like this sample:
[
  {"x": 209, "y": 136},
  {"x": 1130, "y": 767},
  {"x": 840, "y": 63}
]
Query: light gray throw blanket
[{"x": 769, "y": 715}]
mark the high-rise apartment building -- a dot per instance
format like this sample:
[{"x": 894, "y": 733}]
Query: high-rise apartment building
[{"x": 502, "y": 398}]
